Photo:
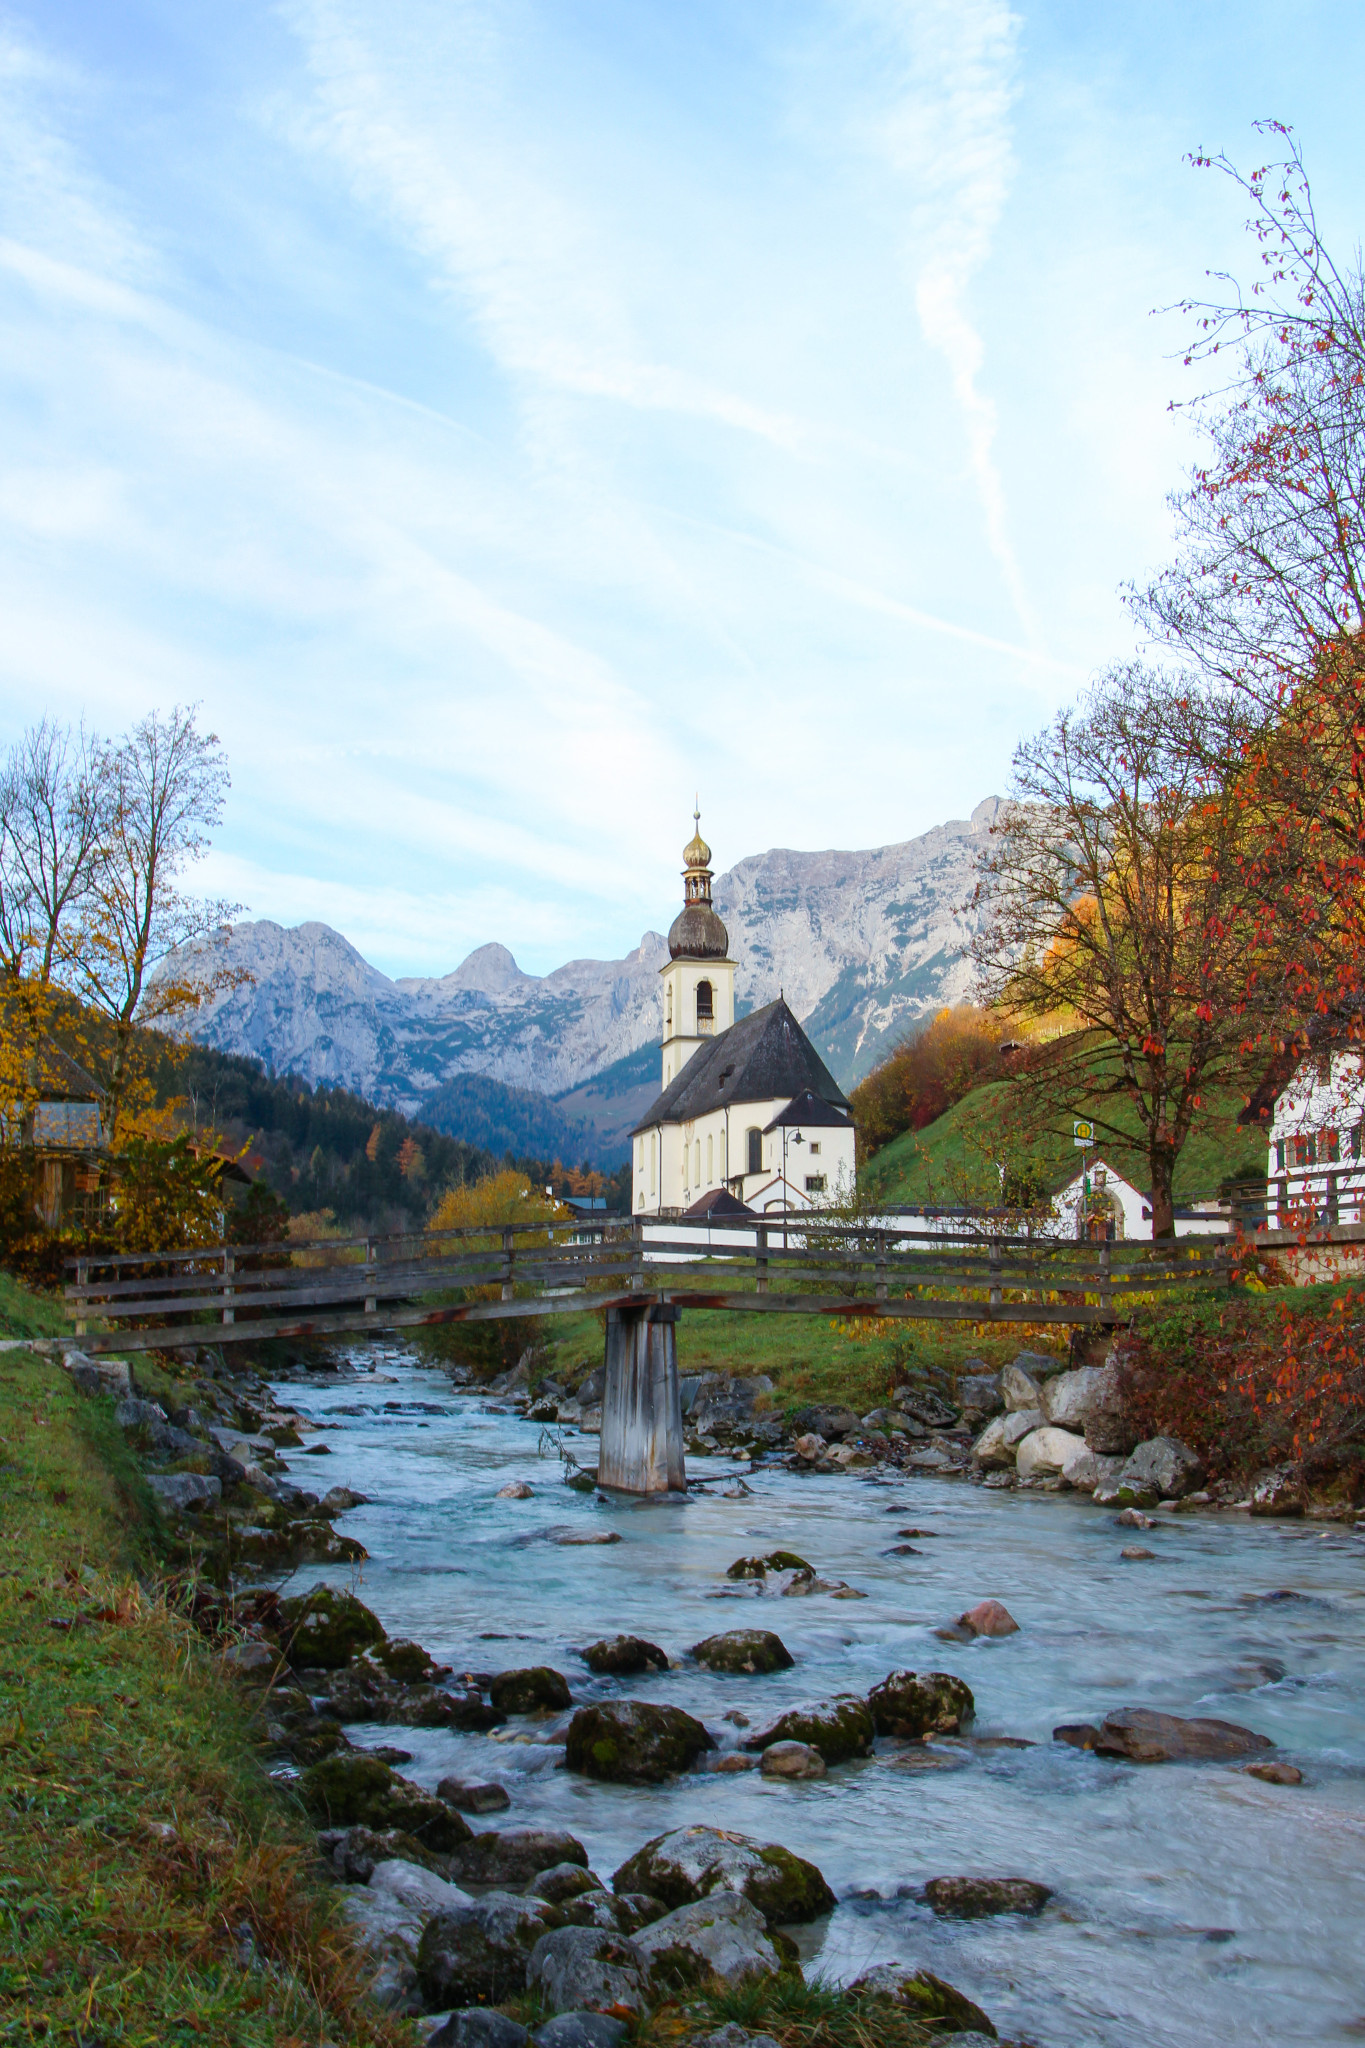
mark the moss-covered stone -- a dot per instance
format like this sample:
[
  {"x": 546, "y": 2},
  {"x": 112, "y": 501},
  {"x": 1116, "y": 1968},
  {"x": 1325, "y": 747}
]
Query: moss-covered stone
[
  {"x": 774, "y": 1561},
  {"x": 408, "y": 1663},
  {"x": 911, "y": 1704},
  {"x": 743, "y": 1650},
  {"x": 690, "y": 1863},
  {"x": 349, "y": 1789},
  {"x": 537, "y": 1689},
  {"x": 324, "y": 1629},
  {"x": 927, "y": 1997},
  {"x": 634, "y": 1742},
  {"x": 840, "y": 1728},
  {"x": 624, "y": 1657}
]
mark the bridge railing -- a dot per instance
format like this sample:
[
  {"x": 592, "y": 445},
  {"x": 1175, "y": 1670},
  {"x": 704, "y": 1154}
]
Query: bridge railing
[{"x": 797, "y": 1264}]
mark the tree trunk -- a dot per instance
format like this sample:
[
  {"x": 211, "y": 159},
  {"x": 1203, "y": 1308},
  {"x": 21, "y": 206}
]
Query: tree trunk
[{"x": 1162, "y": 1162}]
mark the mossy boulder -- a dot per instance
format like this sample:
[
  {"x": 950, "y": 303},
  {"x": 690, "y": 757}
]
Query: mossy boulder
[
  {"x": 408, "y": 1663},
  {"x": 477, "y": 1954},
  {"x": 773, "y": 1561},
  {"x": 535, "y": 1690},
  {"x": 927, "y": 1997},
  {"x": 912, "y": 1704},
  {"x": 624, "y": 1657},
  {"x": 743, "y": 1649},
  {"x": 349, "y": 1789},
  {"x": 325, "y": 1629},
  {"x": 634, "y": 1742},
  {"x": 691, "y": 1863},
  {"x": 840, "y": 1728},
  {"x": 514, "y": 1856}
]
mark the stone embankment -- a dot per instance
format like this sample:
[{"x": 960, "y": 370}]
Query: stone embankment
[{"x": 1039, "y": 1423}]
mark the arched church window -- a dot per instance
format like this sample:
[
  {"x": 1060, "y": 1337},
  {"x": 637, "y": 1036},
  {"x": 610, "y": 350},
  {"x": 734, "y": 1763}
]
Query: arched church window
[
  {"x": 668, "y": 1004},
  {"x": 710, "y": 1158},
  {"x": 706, "y": 1015},
  {"x": 696, "y": 1169},
  {"x": 755, "y": 1149}
]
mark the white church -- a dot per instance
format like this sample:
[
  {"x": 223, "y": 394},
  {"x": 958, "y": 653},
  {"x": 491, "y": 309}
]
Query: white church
[{"x": 750, "y": 1118}]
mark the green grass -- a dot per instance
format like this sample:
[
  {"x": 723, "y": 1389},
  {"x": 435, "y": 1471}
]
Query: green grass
[
  {"x": 154, "y": 1887},
  {"x": 949, "y": 1158},
  {"x": 25, "y": 1313}
]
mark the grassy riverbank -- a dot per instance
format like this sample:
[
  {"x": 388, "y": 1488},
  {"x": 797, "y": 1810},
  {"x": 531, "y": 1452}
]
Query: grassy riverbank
[{"x": 155, "y": 1887}]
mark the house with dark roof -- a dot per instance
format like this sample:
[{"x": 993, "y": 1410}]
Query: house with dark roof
[{"x": 749, "y": 1106}]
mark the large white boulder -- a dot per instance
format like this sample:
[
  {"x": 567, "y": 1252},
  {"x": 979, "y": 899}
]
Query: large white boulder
[
  {"x": 1020, "y": 1388},
  {"x": 1044, "y": 1452},
  {"x": 1073, "y": 1397},
  {"x": 991, "y": 1449}
]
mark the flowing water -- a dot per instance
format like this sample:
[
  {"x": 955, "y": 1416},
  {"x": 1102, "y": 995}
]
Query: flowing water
[{"x": 1193, "y": 1904}]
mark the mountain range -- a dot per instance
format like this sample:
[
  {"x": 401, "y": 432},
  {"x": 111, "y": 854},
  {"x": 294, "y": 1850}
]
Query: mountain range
[{"x": 860, "y": 943}]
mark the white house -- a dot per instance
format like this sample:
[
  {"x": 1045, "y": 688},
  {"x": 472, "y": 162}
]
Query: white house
[
  {"x": 1316, "y": 1171},
  {"x": 1101, "y": 1202},
  {"x": 750, "y": 1106}
]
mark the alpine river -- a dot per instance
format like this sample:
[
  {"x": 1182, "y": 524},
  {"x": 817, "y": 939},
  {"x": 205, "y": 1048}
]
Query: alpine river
[{"x": 1193, "y": 1904}]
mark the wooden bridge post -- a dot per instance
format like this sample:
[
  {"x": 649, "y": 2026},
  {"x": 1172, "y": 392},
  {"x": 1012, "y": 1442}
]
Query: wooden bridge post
[
  {"x": 761, "y": 1259},
  {"x": 509, "y": 1255},
  {"x": 641, "y": 1445},
  {"x": 371, "y": 1300},
  {"x": 637, "y": 1256},
  {"x": 229, "y": 1268}
]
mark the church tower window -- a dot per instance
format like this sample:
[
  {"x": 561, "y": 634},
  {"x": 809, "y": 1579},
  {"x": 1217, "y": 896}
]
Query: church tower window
[
  {"x": 755, "y": 1136},
  {"x": 706, "y": 1015}
]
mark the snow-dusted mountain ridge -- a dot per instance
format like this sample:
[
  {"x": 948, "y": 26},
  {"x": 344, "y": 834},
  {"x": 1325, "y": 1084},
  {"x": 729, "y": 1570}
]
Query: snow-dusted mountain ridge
[{"x": 861, "y": 944}]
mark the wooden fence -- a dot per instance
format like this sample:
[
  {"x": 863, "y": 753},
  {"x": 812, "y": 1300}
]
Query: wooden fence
[{"x": 791, "y": 1266}]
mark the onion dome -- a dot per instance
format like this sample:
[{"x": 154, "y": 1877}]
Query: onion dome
[{"x": 697, "y": 933}]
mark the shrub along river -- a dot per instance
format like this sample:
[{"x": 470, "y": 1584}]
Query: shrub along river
[{"x": 1193, "y": 1903}]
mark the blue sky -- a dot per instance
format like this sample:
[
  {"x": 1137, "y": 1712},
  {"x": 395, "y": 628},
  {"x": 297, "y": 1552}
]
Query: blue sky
[{"x": 508, "y": 416}]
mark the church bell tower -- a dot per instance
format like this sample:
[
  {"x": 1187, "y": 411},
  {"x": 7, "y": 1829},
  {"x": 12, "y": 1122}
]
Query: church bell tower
[{"x": 699, "y": 980}]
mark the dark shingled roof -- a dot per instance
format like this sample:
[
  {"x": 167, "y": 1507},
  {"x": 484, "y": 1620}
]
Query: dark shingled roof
[
  {"x": 765, "y": 1057},
  {"x": 720, "y": 1202}
]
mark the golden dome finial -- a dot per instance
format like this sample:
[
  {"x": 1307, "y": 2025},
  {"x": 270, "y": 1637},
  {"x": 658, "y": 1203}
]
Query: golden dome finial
[{"x": 696, "y": 853}]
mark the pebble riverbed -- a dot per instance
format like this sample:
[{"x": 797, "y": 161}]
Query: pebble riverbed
[{"x": 1194, "y": 1905}]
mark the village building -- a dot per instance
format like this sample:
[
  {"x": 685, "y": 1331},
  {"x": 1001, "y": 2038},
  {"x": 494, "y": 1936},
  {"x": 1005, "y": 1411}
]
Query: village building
[
  {"x": 748, "y": 1107},
  {"x": 1316, "y": 1166}
]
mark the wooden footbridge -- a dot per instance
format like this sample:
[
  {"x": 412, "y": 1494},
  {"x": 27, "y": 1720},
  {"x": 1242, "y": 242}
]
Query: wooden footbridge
[{"x": 641, "y": 1274}]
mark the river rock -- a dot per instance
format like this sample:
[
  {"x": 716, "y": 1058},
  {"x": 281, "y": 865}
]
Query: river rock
[
  {"x": 1071, "y": 1398},
  {"x": 1112, "y": 1434},
  {"x": 926, "y": 1996},
  {"x": 1275, "y": 1773},
  {"x": 350, "y": 1788},
  {"x": 1043, "y": 1452},
  {"x": 743, "y": 1650},
  {"x": 560, "y": 1882},
  {"x": 691, "y": 1863},
  {"x": 792, "y": 1760},
  {"x": 1279, "y": 1493},
  {"x": 774, "y": 1561},
  {"x": 581, "y": 2030},
  {"x": 478, "y": 1953},
  {"x": 618, "y": 1912},
  {"x": 537, "y": 1689},
  {"x": 991, "y": 1451},
  {"x": 725, "y": 1405},
  {"x": 414, "y": 1886},
  {"x": 585, "y": 1968},
  {"x": 1020, "y": 1389},
  {"x": 810, "y": 1447},
  {"x": 722, "y": 1935},
  {"x": 634, "y": 1742},
  {"x": 387, "y": 1933},
  {"x": 1144, "y": 1737},
  {"x": 974, "y": 1898},
  {"x": 1162, "y": 1467},
  {"x": 513, "y": 1856},
  {"x": 1086, "y": 1469},
  {"x": 980, "y": 1394},
  {"x": 624, "y": 1657},
  {"x": 476, "y": 2026},
  {"x": 839, "y": 1728},
  {"x": 912, "y": 1705},
  {"x": 516, "y": 1489},
  {"x": 473, "y": 1795},
  {"x": 988, "y": 1618},
  {"x": 325, "y": 1628},
  {"x": 830, "y": 1423},
  {"x": 927, "y": 1408},
  {"x": 408, "y": 1662},
  {"x": 363, "y": 1691},
  {"x": 355, "y": 1853},
  {"x": 184, "y": 1490}
]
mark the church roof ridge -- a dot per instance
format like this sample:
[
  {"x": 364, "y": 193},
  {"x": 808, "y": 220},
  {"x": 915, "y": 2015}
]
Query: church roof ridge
[{"x": 764, "y": 1057}]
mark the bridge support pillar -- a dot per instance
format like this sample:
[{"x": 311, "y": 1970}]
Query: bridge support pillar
[{"x": 642, "y": 1439}]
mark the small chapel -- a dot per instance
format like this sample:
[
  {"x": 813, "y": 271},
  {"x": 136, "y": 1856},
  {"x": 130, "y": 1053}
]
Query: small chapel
[{"x": 750, "y": 1119}]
